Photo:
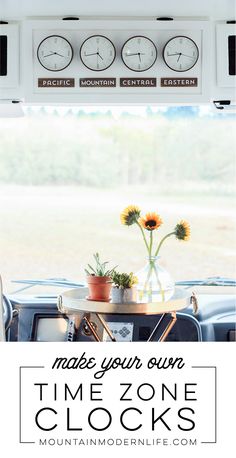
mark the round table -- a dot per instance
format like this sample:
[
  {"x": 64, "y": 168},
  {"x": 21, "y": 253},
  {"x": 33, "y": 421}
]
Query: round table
[{"x": 73, "y": 302}]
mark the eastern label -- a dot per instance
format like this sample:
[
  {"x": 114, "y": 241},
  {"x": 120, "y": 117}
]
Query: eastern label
[
  {"x": 97, "y": 82},
  {"x": 56, "y": 82},
  {"x": 138, "y": 82},
  {"x": 179, "y": 82}
]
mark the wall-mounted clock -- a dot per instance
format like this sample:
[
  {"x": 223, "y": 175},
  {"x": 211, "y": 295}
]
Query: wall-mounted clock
[
  {"x": 180, "y": 53},
  {"x": 139, "y": 53},
  {"x": 55, "y": 53},
  {"x": 97, "y": 53}
]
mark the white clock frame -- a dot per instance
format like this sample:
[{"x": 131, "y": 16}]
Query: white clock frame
[{"x": 118, "y": 31}]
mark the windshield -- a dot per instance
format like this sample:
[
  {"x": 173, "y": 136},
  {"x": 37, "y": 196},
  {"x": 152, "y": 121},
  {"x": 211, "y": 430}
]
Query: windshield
[{"x": 67, "y": 173}]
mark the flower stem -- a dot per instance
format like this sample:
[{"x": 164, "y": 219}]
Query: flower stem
[
  {"x": 147, "y": 280},
  {"x": 150, "y": 246},
  {"x": 160, "y": 285},
  {"x": 144, "y": 238},
  {"x": 149, "y": 291},
  {"x": 161, "y": 242}
]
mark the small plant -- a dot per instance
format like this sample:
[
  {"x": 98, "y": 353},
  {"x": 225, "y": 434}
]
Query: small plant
[
  {"x": 100, "y": 269},
  {"x": 123, "y": 280}
]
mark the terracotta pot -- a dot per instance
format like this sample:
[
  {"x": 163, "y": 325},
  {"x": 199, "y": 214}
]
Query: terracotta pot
[{"x": 99, "y": 288}]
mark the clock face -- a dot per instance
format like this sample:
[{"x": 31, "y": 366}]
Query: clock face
[
  {"x": 97, "y": 53},
  {"x": 55, "y": 53},
  {"x": 180, "y": 54},
  {"x": 139, "y": 53}
]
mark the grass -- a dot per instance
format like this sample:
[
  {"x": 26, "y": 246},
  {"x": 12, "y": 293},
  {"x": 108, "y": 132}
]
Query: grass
[{"x": 53, "y": 232}]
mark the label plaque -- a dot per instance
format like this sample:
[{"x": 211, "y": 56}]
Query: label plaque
[
  {"x": 56, "y": 82},
  {"x": 97, "y": 82},
  {"x": 179, "y": 82},
  {"x": 138, "y": 82}
]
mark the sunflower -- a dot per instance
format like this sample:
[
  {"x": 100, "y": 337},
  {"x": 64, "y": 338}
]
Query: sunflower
[
  {"x": 150, "y": 221},
  {"x": 130, "y": 215},
  {"x": 182, "y": 230}
]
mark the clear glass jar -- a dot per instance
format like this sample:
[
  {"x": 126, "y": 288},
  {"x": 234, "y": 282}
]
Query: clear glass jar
[{"x": 154, "y": 282}]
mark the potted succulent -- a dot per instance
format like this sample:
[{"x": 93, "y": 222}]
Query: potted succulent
[
  {"x": 99, "y": 280},
  {"x": 123, "y": 289}
]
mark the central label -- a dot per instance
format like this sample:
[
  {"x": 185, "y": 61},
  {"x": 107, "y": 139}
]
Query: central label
[
  {"x": 138, "y": 82},
  {"x": 97, "y": 82}
]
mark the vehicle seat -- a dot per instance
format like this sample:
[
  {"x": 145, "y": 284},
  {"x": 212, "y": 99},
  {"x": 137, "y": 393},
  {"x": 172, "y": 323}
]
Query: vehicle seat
[{"x": 2, "y": 324}]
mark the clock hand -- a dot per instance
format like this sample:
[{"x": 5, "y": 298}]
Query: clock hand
[
  {"x": 98, "y": 53},
  {"x": 53, "y": 53},
  {"x": 175, "y": 54},
  {"x": 191, "y": 57},
  {"x": 49, "y": 54},
  {"x": 180, "y": 54},
  {"x": 94, "y": 54},
  {"x": 135, "y": 54},
  {"x": 57, "y": 53}
]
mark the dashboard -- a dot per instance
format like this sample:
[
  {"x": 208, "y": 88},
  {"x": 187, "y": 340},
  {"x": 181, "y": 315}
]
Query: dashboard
[{"x": 37, "y": 318}]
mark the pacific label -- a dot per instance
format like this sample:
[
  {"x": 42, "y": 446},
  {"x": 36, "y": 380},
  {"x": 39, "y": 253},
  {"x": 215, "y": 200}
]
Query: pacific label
[{"x": 56, "y": 82}]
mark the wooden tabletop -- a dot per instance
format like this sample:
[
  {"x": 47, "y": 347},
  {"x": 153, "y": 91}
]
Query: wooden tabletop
[{"x": 74, "y": 300}]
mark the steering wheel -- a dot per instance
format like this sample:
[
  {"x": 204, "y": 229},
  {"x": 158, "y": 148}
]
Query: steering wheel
[{"x": 7, "y": 312}]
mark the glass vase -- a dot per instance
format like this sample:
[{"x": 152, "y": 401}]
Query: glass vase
[{"x": 154, "y": 282}]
